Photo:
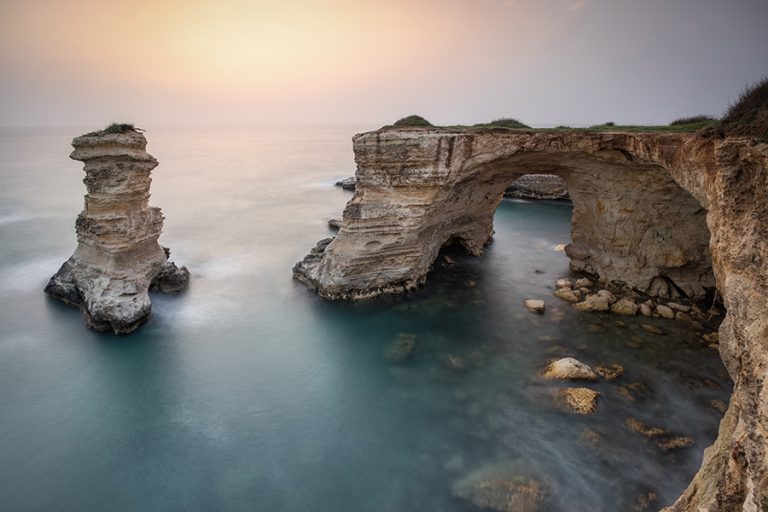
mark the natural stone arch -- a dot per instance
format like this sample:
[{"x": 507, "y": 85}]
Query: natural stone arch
[{"x": 412, "y": 190}]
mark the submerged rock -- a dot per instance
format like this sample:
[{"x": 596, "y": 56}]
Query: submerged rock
[
  {"x": 401, "y": 348},
  {"x": 653, "y": 329},
  {"x": 501, "y": 489},
  {"x": 118, "y": 258},
  {"x": 610, "y": 371},
  {"x": 577, "y": 400},
  {"x": 569, "y": 368}
]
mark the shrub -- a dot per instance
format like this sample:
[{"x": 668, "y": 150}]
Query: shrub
[
  {"x": 748, "y": 115},
  {"x": 508, "y": 122},
  {"x": 119, "y": 128},
  {"x": 412, "y": 121},
  {"x": 692, "y": 120}
]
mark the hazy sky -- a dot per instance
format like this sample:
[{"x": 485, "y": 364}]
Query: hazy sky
[{"x": 546, "y": 62}]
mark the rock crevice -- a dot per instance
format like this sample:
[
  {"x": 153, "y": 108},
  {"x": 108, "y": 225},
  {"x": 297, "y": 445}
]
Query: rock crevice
[{"x": 118, "y": 257}]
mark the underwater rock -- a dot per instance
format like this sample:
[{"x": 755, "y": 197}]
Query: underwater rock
[
  {"x": 577, "y": 400},
  {"x": 653, "y": 329},
  {"x": 610, "y": 371},
  {"x": 401, "y": 348},
  {"x": 569, "y": 368},
  {"x": 501, "y": 489},
  {"x": 118, "y": 258}
]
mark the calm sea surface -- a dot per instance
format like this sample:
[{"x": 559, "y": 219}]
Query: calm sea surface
[{"x": 247, "y": 392}]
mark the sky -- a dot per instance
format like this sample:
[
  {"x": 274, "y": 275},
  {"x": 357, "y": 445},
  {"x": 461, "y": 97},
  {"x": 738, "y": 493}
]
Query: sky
[{"x": 545, "y": 62}]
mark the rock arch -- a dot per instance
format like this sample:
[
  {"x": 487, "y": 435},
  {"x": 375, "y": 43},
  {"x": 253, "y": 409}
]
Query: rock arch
[{"x": 642, "y": 205}]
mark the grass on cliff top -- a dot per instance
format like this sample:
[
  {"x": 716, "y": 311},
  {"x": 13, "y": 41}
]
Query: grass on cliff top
[
  {"x": 412, "y": 121},
  {"x": 115, "y": 128},
  {"x": 748, "y": 115}
]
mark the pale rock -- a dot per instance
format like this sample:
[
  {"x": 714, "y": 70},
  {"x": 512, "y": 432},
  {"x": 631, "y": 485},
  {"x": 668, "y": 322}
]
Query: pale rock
[
  {"x": 567, "y": 294},
  {"x": 665, "y": 311},
  {"x": 118, "y": 258},
  {"x": 624, "y": 307},
  {"x": 577, "y": 400},
  {"x": 584, "y": 282},
  {"x": 535, "y": 305},
  {"x": 645, "y": 310},
  {"x": 679, "y": 307},
  {"x": 593, "y": 302},
  {"x": 611, "y": 298},
  {"x": 569, "y": 368},
  {"x": 564, "y": 283}
]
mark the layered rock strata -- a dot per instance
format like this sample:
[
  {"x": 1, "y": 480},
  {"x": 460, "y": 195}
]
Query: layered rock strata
[
  {"x": 538, "y": 186},
  {"x": 655, "y": 211},
  {"x": 118, "y": 258}
]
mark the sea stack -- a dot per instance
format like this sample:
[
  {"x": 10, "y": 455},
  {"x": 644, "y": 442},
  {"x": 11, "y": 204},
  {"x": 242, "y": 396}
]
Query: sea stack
[{"x": 118, "y": 258}]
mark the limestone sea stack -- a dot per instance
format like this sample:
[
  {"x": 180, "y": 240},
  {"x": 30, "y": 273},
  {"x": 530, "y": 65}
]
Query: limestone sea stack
[{"x": 118, "y": 258}]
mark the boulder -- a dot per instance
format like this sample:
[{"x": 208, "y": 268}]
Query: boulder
[
  {"x": 665, "y": 311},
  {"x": 569, "y": 368},
  {"x": 584, "y": 282},
  {"x": 567, "y": 294},
  {"x": 646, "y": 310},
  {"x": 535, "y": 305},
  {"x": 624, "y": 307},
  {"x": 611, "y": 298},
  {"x": 593, "y": 302},
  {"x": 564, "y": 283}
]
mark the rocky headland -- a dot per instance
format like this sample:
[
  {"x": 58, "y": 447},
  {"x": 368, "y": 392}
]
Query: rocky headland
[
  {"x": 118, "y": 257},
  {"x": 670, "y": 216}
]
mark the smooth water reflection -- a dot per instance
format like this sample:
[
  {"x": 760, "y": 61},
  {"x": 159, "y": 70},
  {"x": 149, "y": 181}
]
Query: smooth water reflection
[{"x": 249, "y": 393}]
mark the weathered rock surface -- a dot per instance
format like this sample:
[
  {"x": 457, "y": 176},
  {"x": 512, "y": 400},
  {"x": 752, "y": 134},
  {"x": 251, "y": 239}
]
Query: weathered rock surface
[
  {"x": 538, "y": 186},
  {"x": 657, "y": 211},
  {"x": 569, "y": 368},
  {"x": 577, "y": 400},
  {"x": 118, "y": 258},
  {"x": 535, "y": 305},
  {"x": 624, "y": 307}
]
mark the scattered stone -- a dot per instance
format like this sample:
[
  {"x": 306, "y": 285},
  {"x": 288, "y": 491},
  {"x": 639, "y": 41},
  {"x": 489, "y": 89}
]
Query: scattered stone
[
  {"x": 611, "y": 298},
  {"x": 678, "y": 307},
  {"x": 567, "y": 294},
  {"x": 564, "y": 283},
  {"x": 584, "y": 290},
  {"x": 718, "y": 405},
  {"x": 682, "y": 316},
  {"x": 634, "y": 391},
  {"x": 584, "y": 283},
  {"x": 653, "y": 329},
  {"x": 535, "y": 305},
  {"x": 452, "y": 362},
  {"x": 334, "y": 223},
  {"x": 646, "y": 310},
  {"x": 674, "y": 443},
  {"x": 665, "y": 311},
  {"x": 501, "y": 489},
  {"x": 593, "y": 302},
  {"x": 577, "y": 400},
  {"x": 569, "y": 368},
  {"x": 621, "y": 324},
  {"x": 648, "y": 431},
  {"x": 645, "y": 502},
  {"x": 624, "y": 307},
  {"x": 400, "y": 349},
  {"x": 610, "y": 371}
]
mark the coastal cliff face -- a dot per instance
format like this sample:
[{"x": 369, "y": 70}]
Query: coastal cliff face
[
  {"x": 666, "y": 213},
  {"x": 118, "y": 257}
]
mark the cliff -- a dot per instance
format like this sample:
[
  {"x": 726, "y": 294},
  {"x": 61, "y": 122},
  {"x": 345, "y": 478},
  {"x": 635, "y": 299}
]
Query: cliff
[
  {"x": 666, "y": 213},
  {"x": 538, "y": 186},
  {"x": 118, "y": 258}
]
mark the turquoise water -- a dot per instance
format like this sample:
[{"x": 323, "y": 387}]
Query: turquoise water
[{"x": 247, "y": 392}]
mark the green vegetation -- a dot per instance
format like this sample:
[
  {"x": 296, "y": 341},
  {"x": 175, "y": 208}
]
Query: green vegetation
[
  {"x": 748, "y": 116},
  {"x": 412, "y": 121},
  {"x": 693, "y": 120},
  {"x": 504, "y": 122},
  {"x": 116, "y": 128}
]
